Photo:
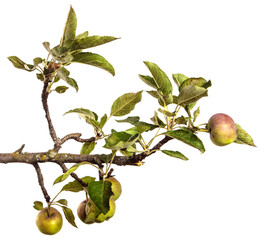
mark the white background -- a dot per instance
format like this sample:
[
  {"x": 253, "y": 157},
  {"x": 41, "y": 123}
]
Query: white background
[{"x": 225, "y": 193}]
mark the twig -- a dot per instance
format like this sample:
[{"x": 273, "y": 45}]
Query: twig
[
  {"x": 41, "y": 182},
  {"x": 20, "y": 149},
  {"x": 44, "y": 97},
  {"x": 76, "y": 137}
]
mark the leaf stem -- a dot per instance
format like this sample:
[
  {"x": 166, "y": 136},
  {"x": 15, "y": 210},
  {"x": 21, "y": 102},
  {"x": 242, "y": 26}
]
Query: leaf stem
[
  {"x": 109, "y": 164},
  {"x": 156, "y": 135},
  {"x": 55, "y": 197}
]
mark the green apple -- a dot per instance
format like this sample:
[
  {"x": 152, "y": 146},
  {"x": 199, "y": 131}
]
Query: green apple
[
  {"x": 49, "y": 221},
  {"x": 87, "y": 212},
  {"x": 115, "y": 187},
  {"x": 222, "y": 129}
]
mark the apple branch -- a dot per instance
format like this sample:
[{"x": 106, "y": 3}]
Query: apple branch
[
  {"x": 54, "y": 157},
  {"x": 41, "y": 181},
  {"x": 45, "y": 95}
]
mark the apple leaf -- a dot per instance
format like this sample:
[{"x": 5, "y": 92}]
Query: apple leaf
[
  {"x": 38, "y": 205},
  {"x": 175, "y": 154},
  {"x": 196, "y": 114},
  {"x": 243, "y": 137},
  {"x": 63, "y": 202},
  {"x": 87, "y": 147},
  {"x": 63, "y": 73},
  {"x": 163, "y": 100},
  {"x": 161, "y": 80},
  {"x": 75, "y": 186},
  {"x": 138, "y": 129},
  {"x": 64, "y": 176},
  {"x": 89, "y": 116},
  {"x": 166, "y": 113},
  {"x": 120, "y": 140},
  {"x": 179, "y": 78},
  {"x": 61, "y": 89},
  {"x": 157, "y": 121},
  {"x": 191, "y": 94},
  {"x": 181, "y": 120},
  {"x": 89, "y": 42},
  {"x": 18, "y": 63},
  {"x": 100, "y": 193},
  {"x": 82, "y": 35},
  {"x": 148, "y": 80},
  {"x": 125, "y": 104},
  {"x": 93, "y": 59},
  {"x": 69, "y": 216},
  {"x": 131, "y": 120},
  {"x": 70, "y": 28},
  {"x": 199, "y": 82},
  {"x": 187, "y": 137}
]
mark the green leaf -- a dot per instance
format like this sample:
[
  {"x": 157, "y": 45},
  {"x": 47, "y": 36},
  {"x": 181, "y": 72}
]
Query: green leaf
[
  {"x": 87, "y": 147},
  {"x": 86, "y": 114},
  {"x": 61, "y": 89},
  {"x": 63, "y": 73},
  {"x": 190, "y": 94},
  {"x": 61, "y": 54},
  {"x": 120, "y": 140},
  {"x": 106, "y": 157},
  {"x": 89, "y": 42},
  {"x": 82, "y": 35},
  {"x": 137, "y": 123},
  {"x": 181, "y": 120},
  {"x": 138, "y": 129},
  {"x": 149, "y": 81},
  {"x": 70, "y": 28},
  {"x": 196, "y": 114},
  {"x": 199, "y": 82},
  {"x": 131, "y": 120},
  {"x": 166, "y": 113},
  {"x": 38, "y": 205},
  {"x": 175, "y": 154},
  {"x": 161, "y": 79},
  {"x": 75, "y": 186},
  {"x": 64, "y": 176},
  {"x": 179, "y": 78},
  {"x": 93, "y": 60},
  {"x": 187, "y": 137},
  {"x": 163, "y": 100},
  {"x": 103, "y": 121},
  {"x": 154, "y": 94},
  {"x": 100, "y": 193},
  {"x": 157, "y": 121},
  {"x": 40, "y": 76},
  {"x": 69, "y": 216},
  {"x": 37, "y": 61},
  {"x": 18, "y": 63},
  {"x": 129, "y": 151},
  {"x": 47, "y": 46},
  {"x": 125, "y": 104},
  {"x": 243, "y": 137},
  {"x": 63, "y": 202}
]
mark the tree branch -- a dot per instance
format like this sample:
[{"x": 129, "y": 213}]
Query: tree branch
[
  {"x": 76, "y": 137},
  {"x": 44, "y": 96},
  {"x": 51, "y": 156},
  {"x": 41, "y": 181}
]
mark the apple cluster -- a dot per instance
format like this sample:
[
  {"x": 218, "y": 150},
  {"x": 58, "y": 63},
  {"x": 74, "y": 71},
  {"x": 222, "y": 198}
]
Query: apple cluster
[{"x": 49, "y": 220}]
